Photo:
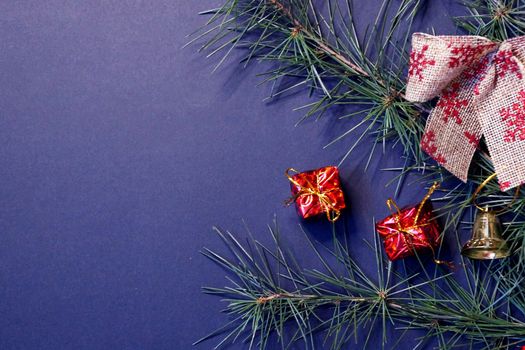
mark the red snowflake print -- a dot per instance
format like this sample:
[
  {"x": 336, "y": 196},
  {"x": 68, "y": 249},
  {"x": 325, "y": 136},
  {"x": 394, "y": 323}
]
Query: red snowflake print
[
  {"x": 514, "y": 118},
  {"x": 505, "y": 63},
  {"x": 451, "y": 104},
  {"x": 503, "y": 186},
  {"x": 472, "y": 138},
  {"x": 477, "y": 72},
  {"x": 478, "y": 69},
  {"x": 465, "y": 54},
  {"x": 418, "y": 62},
  {"x": 428, "y": 145}
]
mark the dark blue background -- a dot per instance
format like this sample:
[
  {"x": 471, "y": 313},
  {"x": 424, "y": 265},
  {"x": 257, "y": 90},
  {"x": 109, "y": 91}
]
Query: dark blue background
[{"x": 120, "y": 150}]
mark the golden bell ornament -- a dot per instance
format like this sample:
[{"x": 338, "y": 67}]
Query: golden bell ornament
[{"x": 486, "y": 242}]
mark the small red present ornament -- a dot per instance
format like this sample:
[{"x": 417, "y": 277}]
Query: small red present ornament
[
  {"x": 316, "y": 192},
  {"x": 410, "y": 229}
]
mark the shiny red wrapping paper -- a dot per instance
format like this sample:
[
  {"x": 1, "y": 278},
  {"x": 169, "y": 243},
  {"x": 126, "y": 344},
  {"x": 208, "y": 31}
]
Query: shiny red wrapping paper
[
  {"x": 325, "y": 182},
  {"x": 402, "y": 235}
]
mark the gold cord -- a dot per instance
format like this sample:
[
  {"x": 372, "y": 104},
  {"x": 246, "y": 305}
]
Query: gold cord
[
  {"x": 482, "y": 185},
  {"x": 332, "y": 213},
  {"x": 431, "y": 190},
  {"x": 406, "y": 230},
  {"x": 391, "y": 203}
]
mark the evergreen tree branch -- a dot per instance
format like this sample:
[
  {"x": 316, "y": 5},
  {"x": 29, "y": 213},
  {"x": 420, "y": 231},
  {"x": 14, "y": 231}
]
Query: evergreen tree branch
[
  {"x": 320, "y": 50},
  {"x": 354, "y": 301}
]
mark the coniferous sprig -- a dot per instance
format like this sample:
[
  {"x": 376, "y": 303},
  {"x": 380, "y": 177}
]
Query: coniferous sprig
[
  {"x": 272, "y": 299},
  {"x": 496, "y": 19},
  {"x": 321, "y": 50}
]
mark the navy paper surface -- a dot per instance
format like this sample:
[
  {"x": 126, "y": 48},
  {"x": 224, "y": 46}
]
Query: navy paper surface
[{"x": 120, "y": 150}]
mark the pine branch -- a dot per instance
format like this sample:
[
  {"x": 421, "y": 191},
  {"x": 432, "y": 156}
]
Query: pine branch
[
  {"x": 496, "y": 19},
  {"x": 267, "y": 306},
  {"x": 276, "y": 33},
  {"x": 321, "y": 50}
]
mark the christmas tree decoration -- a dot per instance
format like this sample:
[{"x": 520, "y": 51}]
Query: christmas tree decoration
[
  {"x": 411, "y": 229},
  {"x": 304, "y": 44},
  {"x": 317, "y": 192},
  {"x": 481, "y": 93},
  {"x": 486, "y": 242}
]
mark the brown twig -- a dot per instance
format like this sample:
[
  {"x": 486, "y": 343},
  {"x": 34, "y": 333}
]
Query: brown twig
[
  {"x": 298, "y": 26},
  {"x": 305, "y": 297}
]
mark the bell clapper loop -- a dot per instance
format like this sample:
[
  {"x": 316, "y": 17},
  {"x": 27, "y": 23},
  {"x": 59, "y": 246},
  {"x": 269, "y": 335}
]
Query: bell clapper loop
[{"x": 486, "y": 208}]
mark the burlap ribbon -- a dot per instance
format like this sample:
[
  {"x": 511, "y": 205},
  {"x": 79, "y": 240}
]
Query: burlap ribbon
[{"x": 482, "y": 92}]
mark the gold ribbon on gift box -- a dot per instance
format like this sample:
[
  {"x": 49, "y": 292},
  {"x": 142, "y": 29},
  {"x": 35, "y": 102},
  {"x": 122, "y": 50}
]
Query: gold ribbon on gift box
[
  {"x": 332, "y": 213},
  {"x": 405, "y": 231}
]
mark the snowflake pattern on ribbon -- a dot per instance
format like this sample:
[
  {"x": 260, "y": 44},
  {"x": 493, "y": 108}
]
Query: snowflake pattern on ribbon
[
  {"x": 514, "y": 118},
  {"x": 506, "y": 63},
  {"x": 503, "y": 186},
  {"x": 476, "y": 73},
  {"x": 418, "y": 62},
  {"x": 480, "y": 85},
  {"x": 450, "y": 104},
  {"x": 464, "y": 54},
  {"x": 428, "y": 145},
  {"x": 473, "y": 139}
]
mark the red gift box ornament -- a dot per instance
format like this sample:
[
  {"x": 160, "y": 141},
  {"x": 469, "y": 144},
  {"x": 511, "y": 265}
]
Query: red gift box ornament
[
  {"x": 316, "y": 192},
  {"x": 410, "y": 229}
]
